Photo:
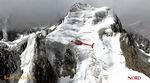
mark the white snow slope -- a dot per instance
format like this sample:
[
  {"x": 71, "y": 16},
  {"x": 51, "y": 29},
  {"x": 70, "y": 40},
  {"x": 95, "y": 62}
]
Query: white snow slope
[
  {"x": 102, "y": 64},
  {"x": 27, "y": 60}
]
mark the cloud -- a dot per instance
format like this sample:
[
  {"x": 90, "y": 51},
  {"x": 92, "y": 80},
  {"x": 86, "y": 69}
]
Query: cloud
[
  {"x": 35, "y": 12},
  {"x": 128, "y": 10}
]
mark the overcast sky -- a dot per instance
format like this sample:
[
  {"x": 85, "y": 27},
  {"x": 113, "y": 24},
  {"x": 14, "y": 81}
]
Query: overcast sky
[
  {"x": 34, "y": 11},
  {"x": 131, "y": 12},
  {"x": 134, "y": 14}
]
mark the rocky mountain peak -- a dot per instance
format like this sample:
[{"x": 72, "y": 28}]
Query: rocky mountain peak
[
  {"x": 88, "y": 46},
  {"x": 79, "y": 6}
]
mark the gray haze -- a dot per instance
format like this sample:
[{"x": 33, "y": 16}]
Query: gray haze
[
  {"x": 22, "y": 12},
  {"x": 134, "y": 14}
]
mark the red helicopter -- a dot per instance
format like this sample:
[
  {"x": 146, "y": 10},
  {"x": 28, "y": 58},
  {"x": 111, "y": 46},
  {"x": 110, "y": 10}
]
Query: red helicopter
[{"x": 79, "y": 42}]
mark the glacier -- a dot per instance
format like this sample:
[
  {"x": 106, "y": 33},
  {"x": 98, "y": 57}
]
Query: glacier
[{"x": 104, "y": 63}]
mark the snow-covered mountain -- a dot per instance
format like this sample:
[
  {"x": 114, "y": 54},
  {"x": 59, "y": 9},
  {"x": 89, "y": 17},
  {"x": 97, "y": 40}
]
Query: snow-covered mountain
[{"x": 108, "y": 53}]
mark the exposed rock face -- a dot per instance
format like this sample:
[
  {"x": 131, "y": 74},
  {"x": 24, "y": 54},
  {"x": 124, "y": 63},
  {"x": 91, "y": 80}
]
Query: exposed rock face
[
  {"x": 80, "y": 7},
  {"x": 135, "y": 59},
  {"x": 99, "y": 16},
  {"x": 48, "y": 66},
  {"x": 44, "y": 72},
  {"x": 140, "y": 42},
  {"x": 10, "y": 63}
]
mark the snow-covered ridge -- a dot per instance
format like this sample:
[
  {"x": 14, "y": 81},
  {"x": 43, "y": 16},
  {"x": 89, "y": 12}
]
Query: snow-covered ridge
[
  {"x": 27, "y": 60},
  {"x": 82, "y": 22},
  {"x": 104, "y": 63}
]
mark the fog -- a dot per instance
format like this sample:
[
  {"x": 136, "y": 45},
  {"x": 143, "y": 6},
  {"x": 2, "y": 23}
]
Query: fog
[
  {"x": 134, "y": 14},
  {"x": 33, "y": 12}
]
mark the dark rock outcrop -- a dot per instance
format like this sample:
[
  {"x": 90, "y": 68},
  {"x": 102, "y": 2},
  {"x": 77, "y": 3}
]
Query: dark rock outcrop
[
  {"x": 79, "y": 7},
  {"x": 54, "y": 60},
  {"x": 99, "y": 16},
  {"x": 135, "y": 59},
  {"x": 10, "y": 63}
]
